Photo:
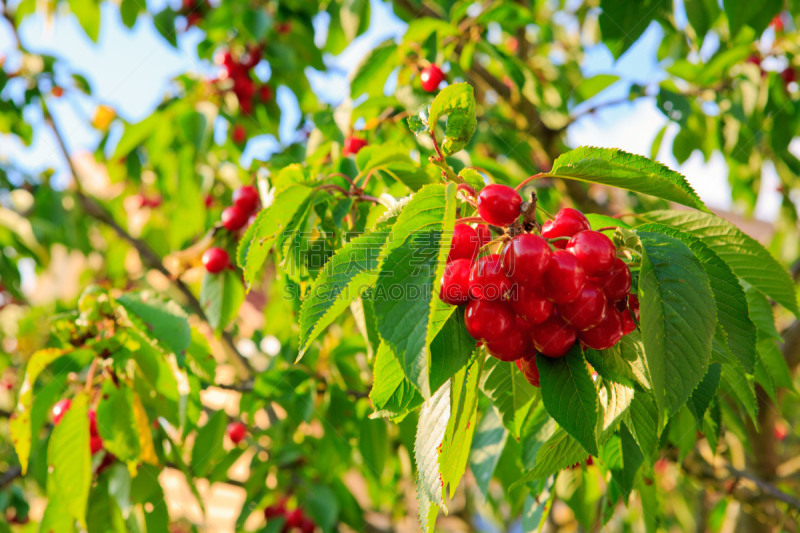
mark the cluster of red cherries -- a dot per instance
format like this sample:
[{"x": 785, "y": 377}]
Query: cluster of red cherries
[
  {"x": 95, "y": 441},
  {"x": 294, "y": 520},
  {"x": 541, "y": 293},
  {"x": 234, "y": 218},
  {"x": 248, "y": 91}
]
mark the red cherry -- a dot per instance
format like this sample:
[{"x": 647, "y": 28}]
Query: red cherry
[
  {"x": 208, "y": 201},
  {"x": 789, "y": 75},
  {"x": 526, "y": 258},
  {"x": 617, "y": 282},
  {"x": 192, "y": 19},
  {"x": 295, "y": 518},
  {"x": 487, "y": 279},
  {"x": 530, "y": 304},
  {"x": 274, "y": 511},
  {"x": 465, "y": 243},
  {"x": 284, "y": 27},
  {"x": 215, "y": 260},
  {"x": 307, "y": 526},
  {"x": 352, "y": 145},
  {"x": 431, "y": 76},
  {"x": 780, "y": 431},
  {"x": 246, "y": 198},
  {"x": 59, "y": 409},
  {"x": 265, "y": 93},
  {"x": 93, "y": 423},
  {"x": 777, "y": 23},
  {"x": 236, "y": 432},
  {"x": 587, "y": 311},
  {"x": 488, "y": 320},
  {"x": 754, "y": 59},
  {"x": 239, "y": 134},
  {"x": 514, "y": 344},
  {"x": 527, "y": 365},
  {"x": 564, "y": 278},
  {"x": 57, "y": 91},
  {"x": 234, "y": 218},
  {"x": 455, "y": 282},
  {"x": 553, "y": 337},
  {"x": 633, "y": 305},
  {"x": 628, "y": 324},
  {"x": 605, "y": 334},
  {"x": 566, "y": 223},
  {"x": 484, "y": 235},
  {"x": 594, "y": 250},
  {"x": 95, "y": 444},
  {"x": 499, "y": 205}
]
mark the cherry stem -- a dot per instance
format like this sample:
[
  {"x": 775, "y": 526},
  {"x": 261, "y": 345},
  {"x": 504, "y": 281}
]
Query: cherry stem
[
  {"x": 530, "y": 179},
  {"x": 440, "y": 162},
  {"x": 543, "y": 210},
  {"x": 468, "y": 220},
  {"x": 607, "y": 228},
  {"x": 333, "y": 187},
  {"x": 466, "y": 188},
  {"x": 90, "y": 375},
  {"x": 345, "y": 176}
]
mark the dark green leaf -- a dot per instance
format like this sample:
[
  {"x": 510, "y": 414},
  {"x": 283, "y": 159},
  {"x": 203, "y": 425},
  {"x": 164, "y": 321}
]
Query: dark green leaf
[
  {"x": 221, "y": 296},
  {"x": 165, "y": 320}
]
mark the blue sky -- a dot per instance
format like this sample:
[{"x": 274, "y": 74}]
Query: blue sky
[{"x": 131, "y": 71}]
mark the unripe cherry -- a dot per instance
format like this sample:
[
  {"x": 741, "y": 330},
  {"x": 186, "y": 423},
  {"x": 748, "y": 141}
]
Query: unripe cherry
[
  {"x": 455, "y": 282},
  {"x": 233, "y": 218},
  {"x": 530, "y": 304},
  {"x": 514, "y": 344},
  {"x": 553, "y": 337},
  {"x": 526, "y": 258},
  {"x": 215, "y": 260},
  {"x": 487, "y": 279},
  {"x": 588, "y": 310},
  {"x": 465, "y": 243},
  {"x": 564, "y": 278},
  {"x": 246, "y": 198},
  {"x": 236, "y": 432},
  {"x": 617, "y": 282},
  {"x": 59, "y": 409},
  {"x": 607, "y": 333},
  {"x": 566, "y": 223},
  {"x": 488, "y": 320},
  {"x": 499, "y": 205},
  {"x": 527, "y": 365},
  {"x": 353, "y": 145},
  {"x": 595, "y": 251},
  {"x": 430, "y": 78}
]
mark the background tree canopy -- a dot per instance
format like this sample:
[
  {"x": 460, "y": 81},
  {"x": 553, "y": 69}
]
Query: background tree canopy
[{"x": 224, "y": 227}]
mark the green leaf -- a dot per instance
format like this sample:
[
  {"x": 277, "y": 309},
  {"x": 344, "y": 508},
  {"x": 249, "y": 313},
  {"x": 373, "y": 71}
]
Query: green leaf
[
  {"x": 677, "y": 319},
  {"x": 406, "y": 294},
  {"x": 461, "y": 426},
  {"x": 756, "y": 15},
  {"x": 746, "y": 257},
  {"x": 166, "y": 321},
  {"x": 609, "y": 166},
  {"x": 129, "y": 12},
  {"x": 559, "y": 452},
  {"x": 392, "y": 393},
  {"x": 431, "y": 427},
  {"x": 19, "y": 424},
  {"x": 569, "y": 395},
  {"x": 57, "y": 518},
  {"x": 537, "y": 506},
  {"x": 69, "y": 460},
  {"x": 704, "y": 393},
  {"x": 221, "y": 296},
  {"x": 622, "y": 22},
  {"x": 761, "y": 313},
  {"x": 270, "y": 225},
  {"x": 589, "y": 87},
  {"x": 614, "y": 401},
  {"x": 352, "y": 270},
  {"x": 701, "y": 15},
  {"x": 510, "y": 393},
  {"x": 487, "y": 446},
  {"x": 731, "y": 302},
  {"x": 164, "y": 22},
  {"x": 116, "y": 423},
  {"x": 88, "y": 14},
  {"x": 642, "y": 421},
  {"x": 623, "y": 461},
  {"x": 395, "y": 161},
  {"x": 450, "y": 350},
  {"x": 623, "y": 363},
  {"x": 371, "y": 75},
  {"x": 208, "y": 444},
  {"x": 457, "y": 101},
  {"x": 136, "y": 134}
]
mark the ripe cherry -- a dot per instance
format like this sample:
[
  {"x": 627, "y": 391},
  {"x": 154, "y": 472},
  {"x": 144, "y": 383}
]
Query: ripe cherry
[
  {"x": 234, "y": 218},
  {"x": 487, "y": 279},
  {"x": 527, "y": 365},
  {"x": 587, "y": 311},
  {"x": 57, "y": 91},
  {"x": 276, "y": 510},
  {"x": 499, "y": 205},
  {"x": 93, "y": 423},
  {"x": 465, "y": 243},
  {"x": 488, "y": 320},
  {"x": 484, "y": 235},
  {"x": 295, "y": 518},
  {"x": 265, "y": 93},
  {"x": 628, "y": 324},
  {"x": 246, "y": 198},
  {"x": 95, "y": 444},
  {"x": 607, "y": 333},
  {"x": 564, "y": 278},
  {"x": 566, "y": 223},
  {"x": 789, "y": 75},
  {"x": 594, "y": 250},
  {"x": 236, "y": 432},
  {"x": 307, "y": 526},
  {"x": 239, "y": 134},
  {"x": 215, "y": 260},
  {"x": 526, "y": 258},
  {"x": 59, "y": 409},
  {"x": 352, "y": 145},
  {"x": 553, "y": 337},
  {"x": 530, "y": 304},
  {"x": 514, "y": 344},
  {"x": 431, "y": 77},
  {"x": 633, "y": 305},
  {"x": 455, "y": 282},
  {"x": 617, "y": 282}
]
